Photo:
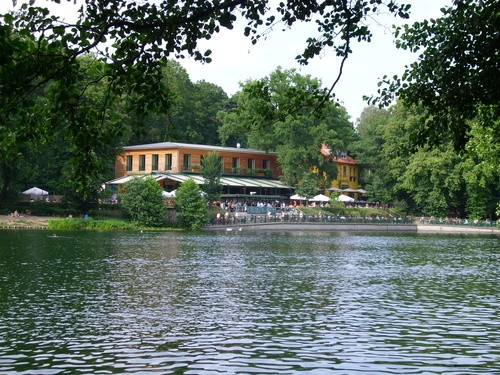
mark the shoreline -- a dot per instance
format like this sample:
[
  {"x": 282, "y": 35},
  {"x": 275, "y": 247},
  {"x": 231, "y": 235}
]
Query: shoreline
[
  {"x": 42, "y": 223},
  {"x": 353, "y": 227},
  {"x": 24, "y": 222}
]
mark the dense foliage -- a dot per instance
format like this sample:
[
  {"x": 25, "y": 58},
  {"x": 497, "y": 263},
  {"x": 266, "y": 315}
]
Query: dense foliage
[
  {"x": 190, "y": 205},
  {"x": 285, "y": 113},
  {"x": 141, "y": 199},
  {"x": 211, "y": 170},
  {"x": 73, "y": 93},
  {"x": 192, "y": 113},
  {"x": 430, "y": 180},
  {"x": 456, "y": 73}
]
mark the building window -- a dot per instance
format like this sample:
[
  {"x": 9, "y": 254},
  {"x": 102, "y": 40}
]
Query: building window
[
  {"x": 344, "y": 171},
  {"x": 251, "y": 163},
  {"x": 236, "y": 162},
  {"x": 168, "y": 162},
  {"x": 129, "y": 163},
  {"x": 266, "y": 164},
  {"x": 142, "y": 162},
  {"x": 186, "y": 162},
  {"x": 154, "y": 162}
]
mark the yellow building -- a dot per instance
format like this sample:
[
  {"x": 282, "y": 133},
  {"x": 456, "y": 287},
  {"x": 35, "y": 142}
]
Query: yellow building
[{"x": 347, "y": 172}]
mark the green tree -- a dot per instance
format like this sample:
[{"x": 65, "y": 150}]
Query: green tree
[
  {"x": 141, "y": 199},
  {"x": 190, "y": 205},
  {"x": 191, "y": 116},
  {"x": 367, "y": 148},
  {"x": 433, "y": 179},
  {"x": 211, "y": 170},
  {"x": 456, "y": 72},
  {"x": 480, "y": 164},
  {"x": 285, "y": 112},
  {"x": 144, "y": 33},
  {"x": 39, "y": 49},
  {"x": 307, "y": 185},
  {"x": 54, "y": 151}
]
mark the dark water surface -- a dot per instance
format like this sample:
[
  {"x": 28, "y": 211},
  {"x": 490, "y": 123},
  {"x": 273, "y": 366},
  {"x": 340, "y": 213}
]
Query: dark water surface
[{"x": 248, "y": 303}]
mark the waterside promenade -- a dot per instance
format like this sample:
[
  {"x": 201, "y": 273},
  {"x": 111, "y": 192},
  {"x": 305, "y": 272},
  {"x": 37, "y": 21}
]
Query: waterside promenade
[
  {"x": 351, "y": 227},
  {"x": 249, "y": 223},
  {"x": 394, "y": 225}
]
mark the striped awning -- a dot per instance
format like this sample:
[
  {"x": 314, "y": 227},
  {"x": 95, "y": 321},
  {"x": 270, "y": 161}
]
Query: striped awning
[
  {"x": 125, "y": 179},
  {"x": 233, "y": 181}
]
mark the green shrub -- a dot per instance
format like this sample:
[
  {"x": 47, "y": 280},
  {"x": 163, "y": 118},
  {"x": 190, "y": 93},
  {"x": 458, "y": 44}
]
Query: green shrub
[
  {"x": 77, "y": 224},
  {"x": 191, "y": 206},
  {"x": 142, "y": 202}
]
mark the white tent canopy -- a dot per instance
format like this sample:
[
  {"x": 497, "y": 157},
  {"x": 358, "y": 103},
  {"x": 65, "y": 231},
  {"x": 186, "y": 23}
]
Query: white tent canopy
[
  {"x": 320, "y": 198},
  {"x": 35, "y": 191},
  {"x": 345, "y": 198}
]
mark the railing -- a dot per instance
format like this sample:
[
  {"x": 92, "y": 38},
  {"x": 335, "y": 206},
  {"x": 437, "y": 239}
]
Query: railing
[
  {"x": 258, "y": 215},
  {"x": 460, "y": 222},
  {"x": 294, "y": 218}
]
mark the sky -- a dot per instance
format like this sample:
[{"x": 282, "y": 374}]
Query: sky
[{"x": 235, "y": 59}]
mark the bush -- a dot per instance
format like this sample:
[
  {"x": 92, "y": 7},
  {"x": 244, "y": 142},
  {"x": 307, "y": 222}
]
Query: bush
[
  {"x": 73, "y": 224},
  {"x": 142, "y": 201},
  {"x": 190, "y": 204}
]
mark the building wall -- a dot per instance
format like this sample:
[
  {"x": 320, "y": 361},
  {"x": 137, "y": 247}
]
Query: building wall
[
  {"x": 195, "y": 161},
  {"x": 349, "y": 179}
]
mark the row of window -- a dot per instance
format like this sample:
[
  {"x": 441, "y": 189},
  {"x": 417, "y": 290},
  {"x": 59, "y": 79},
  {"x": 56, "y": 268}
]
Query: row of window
[
  {"x": 154, "y": 162},
  {"x": 351, "y": 172},
  {"x": 186, "y": 162},
  {"x": 251, "y": 163}
]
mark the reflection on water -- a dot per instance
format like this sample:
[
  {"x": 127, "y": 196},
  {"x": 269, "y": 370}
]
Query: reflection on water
[{"x": 260, "y": 302}]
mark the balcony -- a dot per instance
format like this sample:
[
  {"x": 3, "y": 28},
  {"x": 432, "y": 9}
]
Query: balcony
[{"x": 248, "y": 172}]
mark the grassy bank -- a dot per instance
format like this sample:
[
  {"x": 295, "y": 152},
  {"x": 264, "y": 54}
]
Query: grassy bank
[
  {"x": 99, "y": 224},
  {"x": 105, "y": 224}
]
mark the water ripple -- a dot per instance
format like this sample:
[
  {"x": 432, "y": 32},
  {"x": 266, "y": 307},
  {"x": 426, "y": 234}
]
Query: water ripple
[{"x": 276, "y": 303}]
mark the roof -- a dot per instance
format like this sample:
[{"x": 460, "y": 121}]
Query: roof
[
  {"x": 346, "y": 160},
  {"x": 198, "y": 179},
  {"x": 177, "y": 145},
  {"x": 342, "y": 159}
]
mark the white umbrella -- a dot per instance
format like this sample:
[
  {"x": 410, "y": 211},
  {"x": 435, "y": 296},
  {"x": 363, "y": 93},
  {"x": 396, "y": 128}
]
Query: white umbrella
[
  {"x": 345, "y": 198},
  {"x": 297, "y": 197},
  {"x": 166, "y": 194},
  {"x": 35, "y": 191},
  {"x": 320, "y": 198}
]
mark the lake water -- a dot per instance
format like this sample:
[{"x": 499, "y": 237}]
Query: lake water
[{"x": 248, "y": 303}]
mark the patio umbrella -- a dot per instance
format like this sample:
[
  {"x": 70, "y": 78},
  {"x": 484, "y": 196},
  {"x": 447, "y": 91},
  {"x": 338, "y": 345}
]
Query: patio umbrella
[
  {"x": 345, "y": 198},
  {"x": 35, "y": 191},
  {"x": 166, "y": 194},
  {"x": 297, "y": 197},
  {"x": 320, "y": 198}
]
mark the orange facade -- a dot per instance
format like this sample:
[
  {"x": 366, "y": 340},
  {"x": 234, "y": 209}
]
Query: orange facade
[{"x": 172, "y": 157}]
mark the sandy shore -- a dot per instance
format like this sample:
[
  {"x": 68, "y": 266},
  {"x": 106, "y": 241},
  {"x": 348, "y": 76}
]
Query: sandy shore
[{"x": 24, "y": 222}]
